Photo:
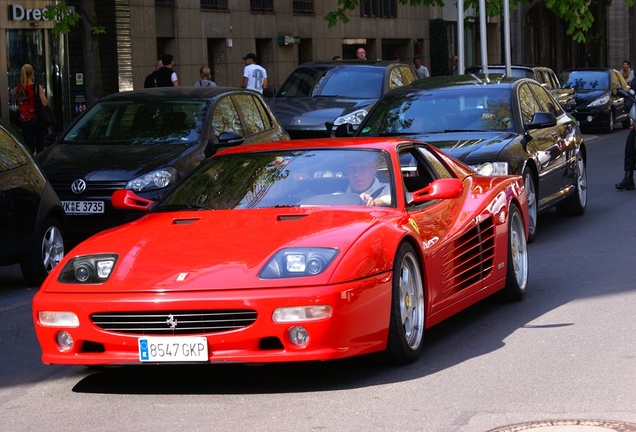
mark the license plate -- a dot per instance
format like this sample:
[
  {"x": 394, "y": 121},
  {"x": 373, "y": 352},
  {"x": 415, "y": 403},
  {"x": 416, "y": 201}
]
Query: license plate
[
  {"x": 83, "y": 207},
  {"x": 173, "y": 349}
]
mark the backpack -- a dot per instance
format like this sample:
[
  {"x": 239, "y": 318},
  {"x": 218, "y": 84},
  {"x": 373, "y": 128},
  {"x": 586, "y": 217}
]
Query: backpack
[{"x": 150, "y": 80}]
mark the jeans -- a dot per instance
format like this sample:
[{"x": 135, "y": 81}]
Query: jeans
[{"x": 33, "y": 135}]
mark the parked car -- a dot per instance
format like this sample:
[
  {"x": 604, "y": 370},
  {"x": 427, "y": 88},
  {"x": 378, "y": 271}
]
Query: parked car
[
  {"x": 147, "y": 140},
  {"x": 31, "y": 215},
  {"x": 597, "y": 103},
  {"x": 497, "y": 125},
  {"x": 544, "y": 75},
  {"x": 320, "y": 95},
  {"x": 277, "y": 262}
]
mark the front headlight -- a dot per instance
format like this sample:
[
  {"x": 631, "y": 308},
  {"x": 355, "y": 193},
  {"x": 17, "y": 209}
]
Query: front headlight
[
  {"x": 298, "y": 262},
  {"x": 491, "y": 168},
  {"x": 58, "y": 319},
  {"x": 354, "y": 118},
  {"x": 158, "y": 179},
  {"x": 88, "y": 269},
  {"x": 600, "y": 101}
]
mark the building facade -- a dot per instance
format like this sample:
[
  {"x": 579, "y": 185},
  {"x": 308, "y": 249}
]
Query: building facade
[{"x": 282, "y": 33}]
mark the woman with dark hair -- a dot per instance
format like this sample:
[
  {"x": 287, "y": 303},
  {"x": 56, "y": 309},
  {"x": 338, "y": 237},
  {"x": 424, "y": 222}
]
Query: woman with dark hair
[{"x": 26, "y": 92}]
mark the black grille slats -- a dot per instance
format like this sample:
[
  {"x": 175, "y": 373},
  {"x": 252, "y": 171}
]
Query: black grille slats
[
  {"x": 174, "y": 323},
  {"x": 471, "y": 257}
]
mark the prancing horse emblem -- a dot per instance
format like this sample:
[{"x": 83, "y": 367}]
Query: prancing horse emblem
[{"x": 172, "y": 322}]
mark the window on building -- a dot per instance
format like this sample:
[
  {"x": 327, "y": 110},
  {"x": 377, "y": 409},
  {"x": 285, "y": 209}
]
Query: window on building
[
  {"x": 164, "y": 3},
  {"x": 214, "y": 4},
  {"x": 378, "y": 8},
  {"x": 262, "y": 5},
  {"x": 304, "y": 6}
]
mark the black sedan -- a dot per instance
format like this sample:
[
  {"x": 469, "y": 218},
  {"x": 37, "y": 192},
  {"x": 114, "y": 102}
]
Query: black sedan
[
  {"x": 145, "y": 141},
  {"x": 597, "y": 103},
  {"x": 497, "y": 125},
  {"x": 31, "y": 215},
  {"x": 320, "y": 95}
]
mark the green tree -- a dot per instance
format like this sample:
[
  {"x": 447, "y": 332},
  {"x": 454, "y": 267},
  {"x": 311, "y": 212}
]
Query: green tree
[
  {"x": 575, "y": 13},
  {"x": 66, "y": 18}
]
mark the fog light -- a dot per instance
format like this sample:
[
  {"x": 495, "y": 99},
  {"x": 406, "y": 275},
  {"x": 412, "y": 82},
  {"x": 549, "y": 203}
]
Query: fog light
[
  {"x": 589, "y": 118},
  {"x": 298, "y": 335},
  {"x": 64, "y": 340}
]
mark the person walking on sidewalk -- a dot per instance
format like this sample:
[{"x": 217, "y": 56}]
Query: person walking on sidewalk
[{"x": 630, "y": 144}]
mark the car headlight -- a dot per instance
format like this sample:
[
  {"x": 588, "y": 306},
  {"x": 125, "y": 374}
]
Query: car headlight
[
  {"x": 600, "y": 101},
  {"x": 298, "y": 262},
  {"x": 89, "y": 269},
  {"x": 354, "y": 118},
  {"x": 157, "y": 179},
  {"x": 58, "y": 319},
  {"x": 491, "y": 168}
]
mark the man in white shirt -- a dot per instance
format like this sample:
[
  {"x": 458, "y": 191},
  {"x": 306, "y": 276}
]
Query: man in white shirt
[
  {"x": 254, "y": 75},
  {"x": 422, "y": 71}
]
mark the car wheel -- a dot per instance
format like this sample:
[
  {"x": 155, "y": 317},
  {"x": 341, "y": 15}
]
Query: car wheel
[
  {"x": 406, "y": 327},
  {"x": 575, "y": 204},
  {"x": 47, "y": 251},
  {"x": 531, "y": 193},
  {"x": 627, "y": 123},
  {"x": 517, "y": 269},
  {"x": 609, "y": 127}
]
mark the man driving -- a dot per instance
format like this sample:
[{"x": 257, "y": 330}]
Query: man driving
[{"x": 361, "y": 174}]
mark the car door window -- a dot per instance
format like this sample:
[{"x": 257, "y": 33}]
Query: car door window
[
  {"x": 225, "y": 117},
  {"x": 528, "y": 103},
  {"x": 397, "y": 78},
  {"x": 546, "y": 102},
  {"x": 251, "y": 116},
  {"x": 420, "y": 167}
]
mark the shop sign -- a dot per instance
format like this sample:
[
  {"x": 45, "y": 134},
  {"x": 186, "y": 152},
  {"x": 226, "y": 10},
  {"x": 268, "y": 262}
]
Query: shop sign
[{"x": 20, "y": 13}]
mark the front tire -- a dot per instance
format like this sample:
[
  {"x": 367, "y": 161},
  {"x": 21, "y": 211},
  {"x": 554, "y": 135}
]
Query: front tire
[
  {"x": 576, "y": 203},
  {"x": 517, "y": 269},
  {"x": 47, "y": 251},
  {"x": 609, "y": 127},
  {"x": 533, "y": 202},
  {"x": 406, "y": 327}
]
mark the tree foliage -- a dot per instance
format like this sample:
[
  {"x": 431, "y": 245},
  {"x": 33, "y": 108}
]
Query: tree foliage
[{"x": 575, "y": 13}]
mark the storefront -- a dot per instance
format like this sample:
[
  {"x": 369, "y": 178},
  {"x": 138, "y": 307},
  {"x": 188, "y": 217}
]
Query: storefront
[{"x": 26, "y": 37}]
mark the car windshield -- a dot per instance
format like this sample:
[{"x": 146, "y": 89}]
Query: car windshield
[
  {"x": 284, "y": 178},
  {"x": 350, "y": 82},
  {"x": 586, "y": 80},
  {"x": 139, "y": 122},
  {"x": 442, "y": 110}
]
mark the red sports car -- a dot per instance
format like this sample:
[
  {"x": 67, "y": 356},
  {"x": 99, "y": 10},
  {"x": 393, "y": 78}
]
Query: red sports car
[{"x": 304, "y": 250}]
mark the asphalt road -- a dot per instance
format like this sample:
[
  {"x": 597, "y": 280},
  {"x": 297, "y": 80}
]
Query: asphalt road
[{"x": 566, "y": 352}]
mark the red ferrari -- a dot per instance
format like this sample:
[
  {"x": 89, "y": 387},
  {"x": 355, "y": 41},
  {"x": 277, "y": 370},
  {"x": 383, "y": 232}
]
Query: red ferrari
[{"x": 295, "y": 251}]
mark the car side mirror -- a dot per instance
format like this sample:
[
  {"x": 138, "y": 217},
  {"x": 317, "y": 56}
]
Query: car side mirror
[
  {"x": 229, "y": 139},
  {"x": 269, "y": 92},
  {"x": 445, "y": 188},
  {"x": 345, "y": 130},
  {"x": 125, "y": 199},
  {"x": 541, "y": 119}
]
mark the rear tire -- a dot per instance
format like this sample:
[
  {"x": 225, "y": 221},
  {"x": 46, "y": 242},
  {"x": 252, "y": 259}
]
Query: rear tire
[
  {"x": 47, "y": 251},
  {"x": 406, "y": 327},
  {"x": 517, "y": 268}
]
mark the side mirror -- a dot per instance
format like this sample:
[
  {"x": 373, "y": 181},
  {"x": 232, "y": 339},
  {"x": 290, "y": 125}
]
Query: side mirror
[
  {"x": 125, "y": 199},
  {"x": 345, "y": 130},
  {"x": 541, "y": 119},
  {"x": 445, "y": 188},
  {"x": 269, "y": 92},
  {"x": 229, "y": 139}
]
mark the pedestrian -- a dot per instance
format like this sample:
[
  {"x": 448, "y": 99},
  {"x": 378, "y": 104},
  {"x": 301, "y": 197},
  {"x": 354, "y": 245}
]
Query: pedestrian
[
  {"x": 151, "y": 78},
  {"x": 422, "y": 71},
  {"x": 454, "y": 61},
  {"x": 361, "y": 54},
  {"x": 630, "y": 144},
  {"x": 627, "y": 72},
  {"x": 396, "y": 58},
  {"x": 26, "y": 92},
  {"x": 254, "y": 75},
  {"x": 206, "y": 78},
  {"x": 166, "y": 76}
]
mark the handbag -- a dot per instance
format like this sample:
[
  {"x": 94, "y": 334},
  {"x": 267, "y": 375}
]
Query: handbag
[{"x": 46, "y": 118}]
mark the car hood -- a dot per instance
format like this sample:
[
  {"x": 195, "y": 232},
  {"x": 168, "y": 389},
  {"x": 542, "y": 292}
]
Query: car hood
[
  {"x": 314, "y": 112},
  {"x": 585, "y": 97},
  {"x": 469, "y": 147},
  {"x": 223, "y": 249},
  {"x": 108, "y": 162}
]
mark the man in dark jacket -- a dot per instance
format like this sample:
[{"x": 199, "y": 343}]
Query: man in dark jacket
[
  {"x": 166, "y": 77},
  {"x": 151, "y": 78}
]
